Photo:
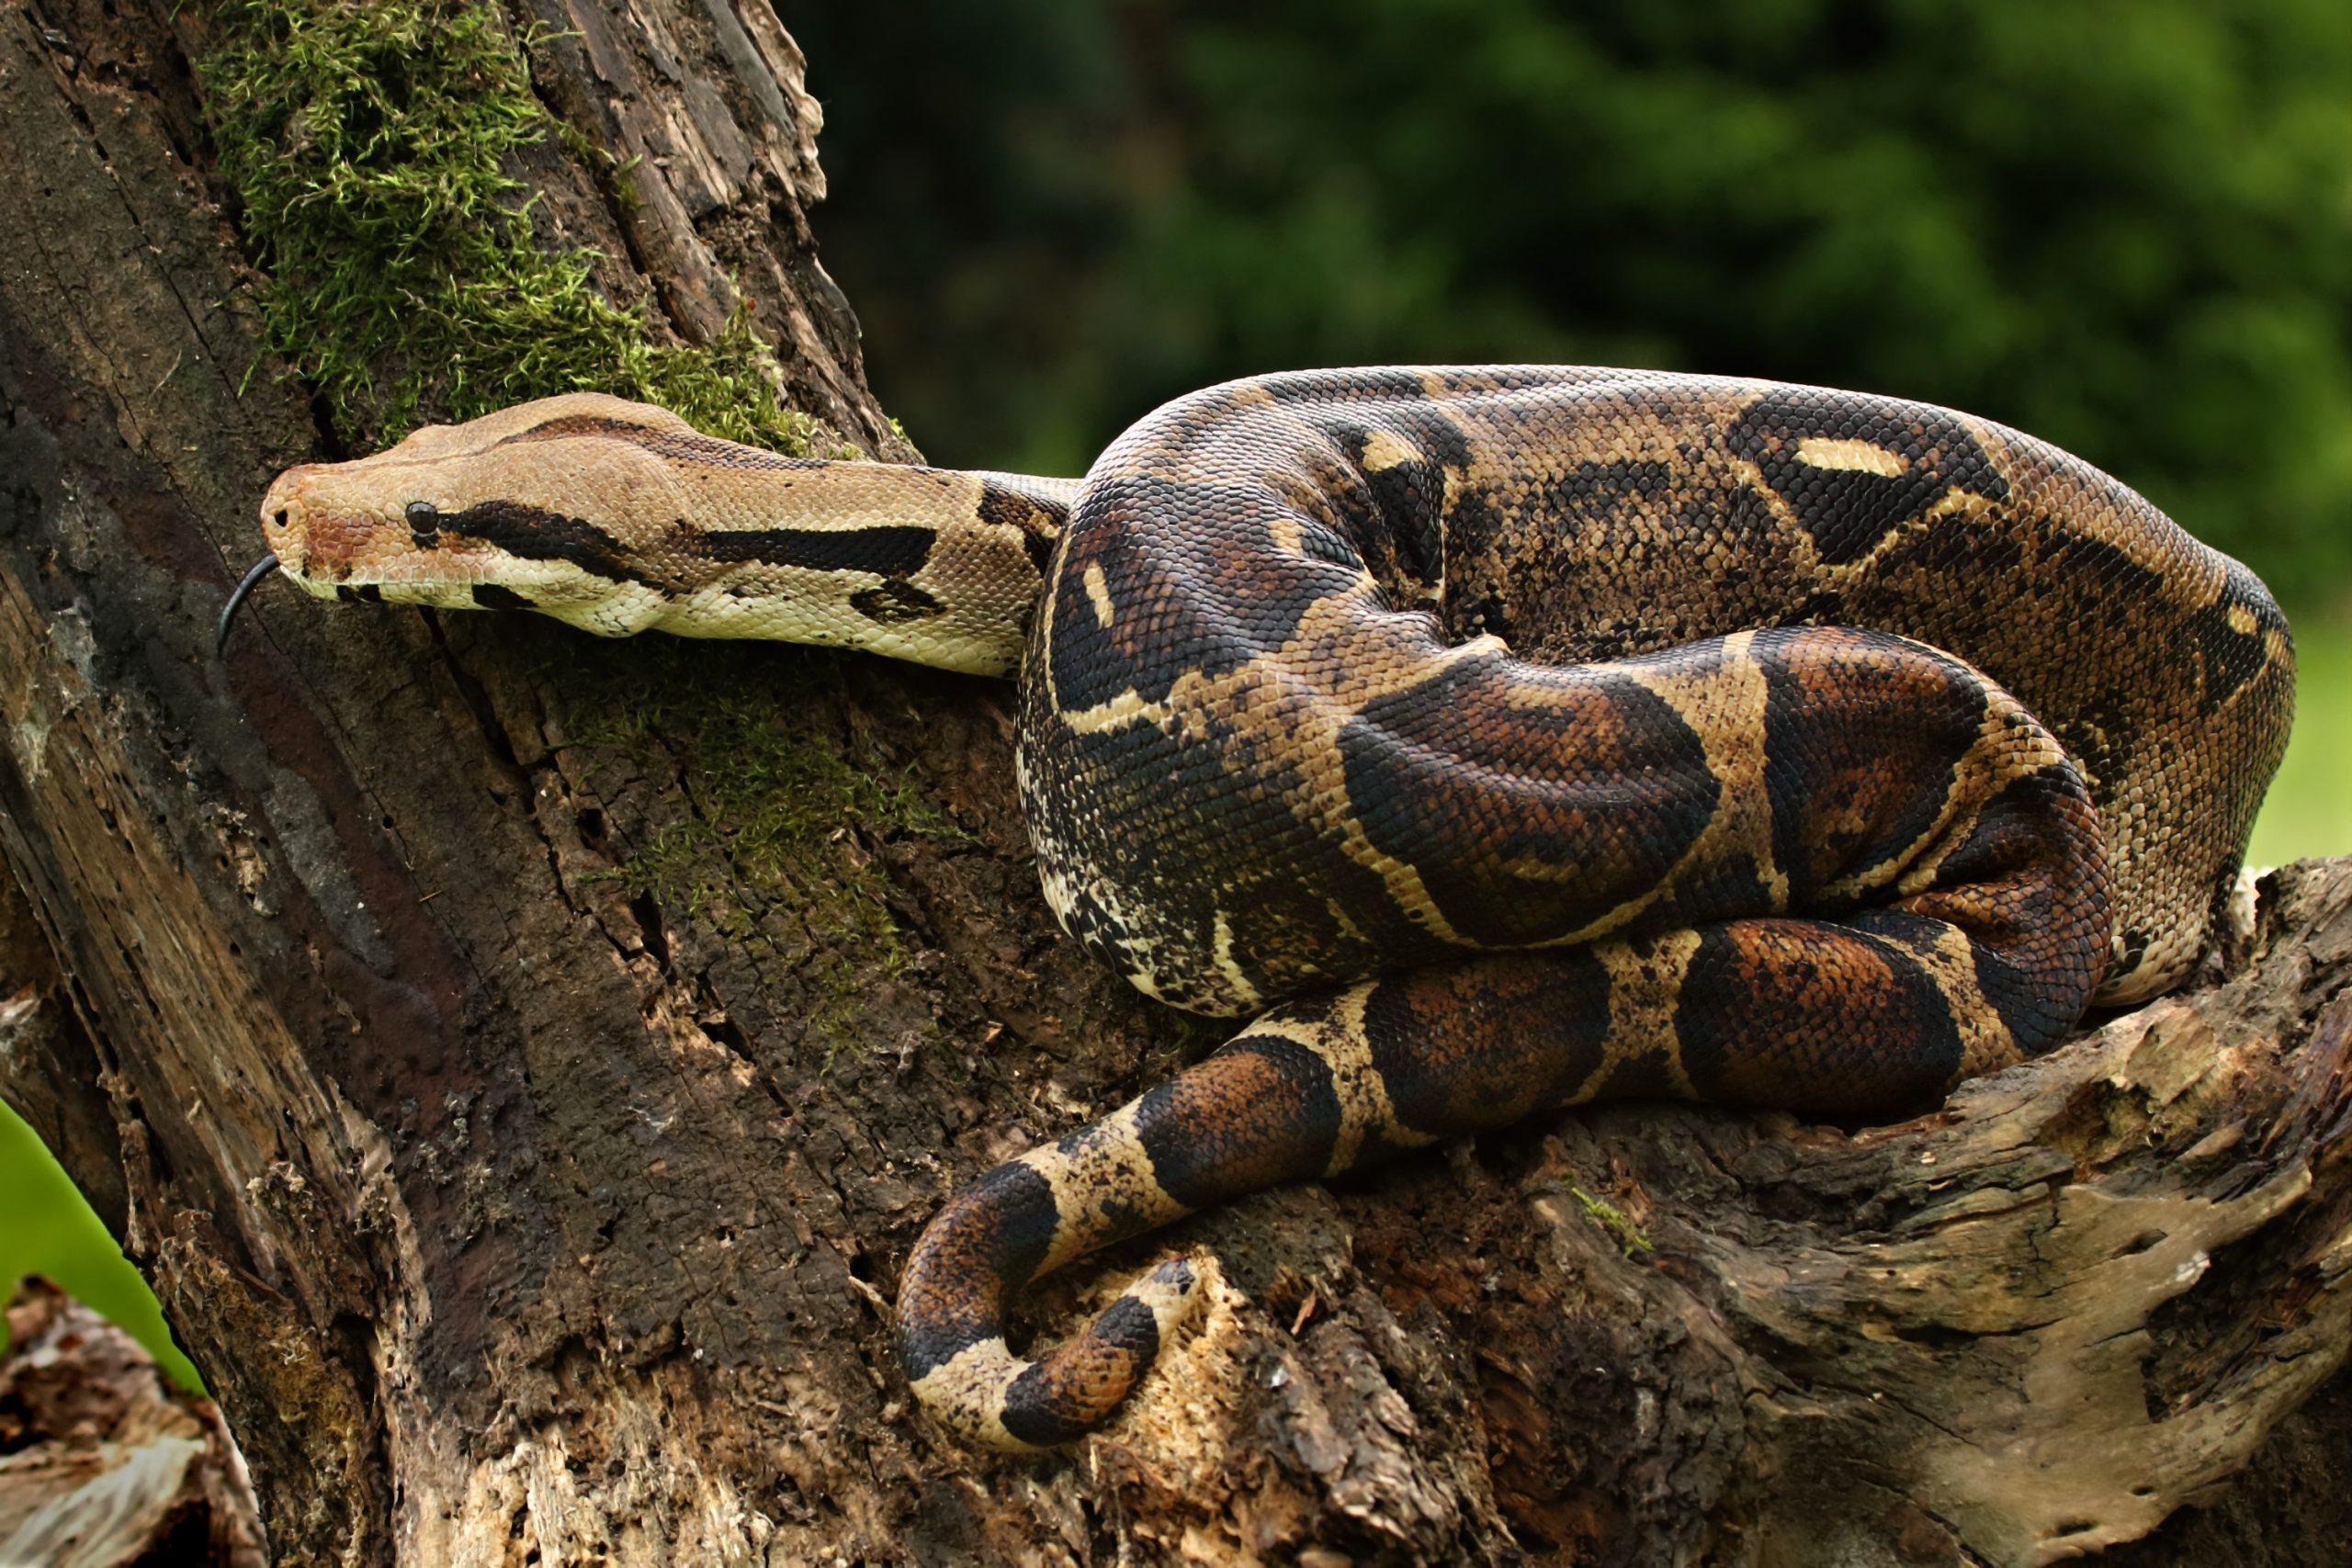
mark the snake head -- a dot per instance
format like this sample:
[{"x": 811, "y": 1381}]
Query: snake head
[
  {"x": 556, "y": 504},
  {"x": 617, "y": 517}
]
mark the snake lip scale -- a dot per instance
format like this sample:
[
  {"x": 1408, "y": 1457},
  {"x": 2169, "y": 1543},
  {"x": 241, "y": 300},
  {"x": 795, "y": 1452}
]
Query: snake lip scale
[{"x": 1490, "y": 740}]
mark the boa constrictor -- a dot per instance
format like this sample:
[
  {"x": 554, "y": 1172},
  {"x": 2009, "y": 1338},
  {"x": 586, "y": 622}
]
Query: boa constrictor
[{"x": 1495, "y": 740}]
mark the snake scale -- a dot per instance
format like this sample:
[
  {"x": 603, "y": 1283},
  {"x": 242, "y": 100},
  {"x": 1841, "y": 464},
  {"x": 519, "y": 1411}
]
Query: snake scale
[{"x": 1492, "y": 738}]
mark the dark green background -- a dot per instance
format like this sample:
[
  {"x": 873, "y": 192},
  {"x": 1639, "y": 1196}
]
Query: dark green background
[{"x": 2123, "y": 226}]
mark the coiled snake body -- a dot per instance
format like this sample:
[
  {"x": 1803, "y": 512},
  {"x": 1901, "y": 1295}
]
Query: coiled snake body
[{"x": 1497, "y": 739}]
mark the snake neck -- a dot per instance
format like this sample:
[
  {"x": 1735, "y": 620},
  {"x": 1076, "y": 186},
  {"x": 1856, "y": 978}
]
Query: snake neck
[{"x": 620, "y": 518}]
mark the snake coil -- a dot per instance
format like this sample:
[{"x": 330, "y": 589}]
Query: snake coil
[{"x": 1493, "y": 740}]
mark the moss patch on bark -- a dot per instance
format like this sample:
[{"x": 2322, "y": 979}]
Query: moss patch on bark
[{"x": 368, "y": 144}]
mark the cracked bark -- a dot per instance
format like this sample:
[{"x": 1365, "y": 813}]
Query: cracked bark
[{"x": 509, "y": 1213}]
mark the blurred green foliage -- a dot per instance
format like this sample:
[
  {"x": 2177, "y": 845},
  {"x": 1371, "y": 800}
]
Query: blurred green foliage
[
  {"x": 2309, "y": 809},
  {"x": 2124, "y": 225}
]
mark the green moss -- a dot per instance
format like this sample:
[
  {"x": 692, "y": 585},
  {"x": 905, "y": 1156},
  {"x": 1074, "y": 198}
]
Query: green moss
[
  {"x": 368, "y": 142},
  {"x": 776, "y": 807},
  {"x": 1631, "y": 1238}
]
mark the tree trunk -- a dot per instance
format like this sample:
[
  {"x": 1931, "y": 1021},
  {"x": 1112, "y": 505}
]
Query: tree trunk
[
  {"x": 522, "y": 1063},
  {"x": 102, "y": 1462}
]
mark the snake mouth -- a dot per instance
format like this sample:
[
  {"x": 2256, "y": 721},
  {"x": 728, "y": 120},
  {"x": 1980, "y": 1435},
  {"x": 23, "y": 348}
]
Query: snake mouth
[{"x": 237, "y": 597}]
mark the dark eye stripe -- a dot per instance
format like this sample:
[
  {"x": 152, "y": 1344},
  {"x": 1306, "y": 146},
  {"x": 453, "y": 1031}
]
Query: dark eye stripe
[
  {"x": 536, "y": 535},
  {"x": 533, "y": 534},
  {"x": 894, "y": 550}
]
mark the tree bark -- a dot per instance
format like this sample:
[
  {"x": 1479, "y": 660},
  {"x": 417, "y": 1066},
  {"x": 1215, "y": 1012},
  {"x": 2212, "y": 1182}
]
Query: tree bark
[
  {"x": 522, "y": 1064},
  {"x": 102, "y": 1462}
]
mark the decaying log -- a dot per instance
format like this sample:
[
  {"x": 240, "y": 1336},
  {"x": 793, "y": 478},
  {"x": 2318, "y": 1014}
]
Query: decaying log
[
  {"x": 522, "y": 1063},
  {"x": 102, "y": 1464},
  {"x": 48, "y": 1070},
  {"x": 2028, "y": 1326}
]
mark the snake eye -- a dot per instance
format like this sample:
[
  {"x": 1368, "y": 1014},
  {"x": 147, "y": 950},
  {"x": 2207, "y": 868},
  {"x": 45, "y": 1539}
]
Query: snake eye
[{"x": 423, "y": 517}]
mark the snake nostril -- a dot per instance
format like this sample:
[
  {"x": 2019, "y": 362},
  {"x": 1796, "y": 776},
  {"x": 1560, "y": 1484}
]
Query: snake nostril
[{"x": 279, "y": 517}]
